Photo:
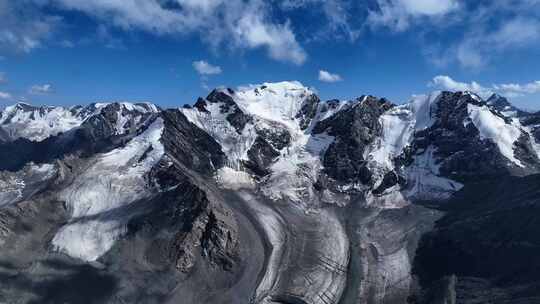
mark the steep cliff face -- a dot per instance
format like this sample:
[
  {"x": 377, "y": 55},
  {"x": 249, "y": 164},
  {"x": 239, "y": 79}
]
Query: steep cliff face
[
  {"x": 266, "y": 194},
  {"x": 354, "y": 130}
]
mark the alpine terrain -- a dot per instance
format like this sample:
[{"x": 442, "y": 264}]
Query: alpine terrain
[{"x": 266, "y": 194}]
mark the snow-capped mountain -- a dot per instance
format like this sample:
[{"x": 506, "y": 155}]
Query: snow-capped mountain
[
  {"x": 263, "y": 194},
  {"x": 501, "y": 104},
  {"x": 284, "y": 136},
  {"x": 37, "y": 123}
]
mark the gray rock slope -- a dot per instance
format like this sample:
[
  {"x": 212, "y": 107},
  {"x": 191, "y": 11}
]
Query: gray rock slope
[{"x": 269, "y": 195}]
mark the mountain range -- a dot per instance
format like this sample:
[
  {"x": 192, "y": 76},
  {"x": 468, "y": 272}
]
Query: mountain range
[{"x": 266, "y": 194}]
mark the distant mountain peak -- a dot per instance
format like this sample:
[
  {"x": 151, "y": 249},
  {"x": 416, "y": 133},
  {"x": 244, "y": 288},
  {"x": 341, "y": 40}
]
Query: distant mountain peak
[{"x": 503, "y": 105}]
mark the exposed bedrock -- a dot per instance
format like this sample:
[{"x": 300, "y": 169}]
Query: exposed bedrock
[
  {"x": 355, "y": 129},
  {"x": 465, "y": 154},
  {"x": 181, "y": 247}
]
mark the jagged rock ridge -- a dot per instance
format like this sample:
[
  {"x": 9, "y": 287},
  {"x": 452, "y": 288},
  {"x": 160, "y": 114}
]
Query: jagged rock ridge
[{"x": 264, "y": 194}]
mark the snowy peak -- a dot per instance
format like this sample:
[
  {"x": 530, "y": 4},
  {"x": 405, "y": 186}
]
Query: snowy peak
[
  {"x": 436, "y": 139},
  {"x": 37, "y": 123},
  {"x": 280, "y": 138},
  {"x": 126, "y": 117},
  {"x": 256, "y": 119},
  {"x": 288, "y": 103},
  {"x": 294, "y": 144},
  {"x": 469, "y": 117},
  {"x": 501, "y": 104}
]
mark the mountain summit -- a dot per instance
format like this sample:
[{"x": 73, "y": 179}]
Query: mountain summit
[{"x": 264, "y": 194}]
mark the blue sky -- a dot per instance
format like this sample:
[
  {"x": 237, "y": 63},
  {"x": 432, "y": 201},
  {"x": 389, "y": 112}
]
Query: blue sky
[{"x": 172, "y": 51}]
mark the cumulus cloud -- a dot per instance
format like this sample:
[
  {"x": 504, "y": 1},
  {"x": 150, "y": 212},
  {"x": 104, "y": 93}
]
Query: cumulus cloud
[
  {"x": 204, "y": 68},
  {"x": 519, "y": 89},
  {"x": 510, "y": 90},
  {"x": 326, "y": 76},
  {"x": 41, "y": 89},
  {"x": 447, "y": 83},
  {"x": 233, "y": 23},
  {"x": 398, "y": 14},
  {"x": 5, "y": 95}
]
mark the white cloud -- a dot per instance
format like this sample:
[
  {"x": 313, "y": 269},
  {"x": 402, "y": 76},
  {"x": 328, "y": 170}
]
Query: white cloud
[
  {"x": 233, "y": 23},
  {"x": 447, "y": 83},
  {"x": 5, "y": 95},
  {"x": 398, "y": 14},
  {"x": 326, "y": 76},
  {"x": 23, "y": 27},
  {"x": 429, "y": 7},
  {"x": 519, "y": 89},
  {"x": 510, "y": 90},
  {"x": 476, "y": 49},
  {"x": 41, "y": 89},
  {"x": 204, "y": 68}
]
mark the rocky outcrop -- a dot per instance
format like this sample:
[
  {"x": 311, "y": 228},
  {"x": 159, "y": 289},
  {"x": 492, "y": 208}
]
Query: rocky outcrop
[
  {"x": 261, "y": 156},
  {"x": 501, "y": 104},
  {"x": 462, "y": 151},
  {"x": 354, "y": 129},
  {"x": 196, "y": 228},
  {"x": 268, "y": 195},
  {"x": 189, "y": 145},
  {"x": 234, "y": 115},
  {"x": 99, "y": 133},
  {"x": 532, "y": 121},
  {"x": 308, "y": 111}
]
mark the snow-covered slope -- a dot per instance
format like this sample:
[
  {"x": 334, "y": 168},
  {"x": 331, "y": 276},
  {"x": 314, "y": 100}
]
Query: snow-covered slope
[
  {"x": 15, "y": 186},
  {"x": 241, "y": 121},
  {"x": 278, "y": 102},
  {"x": 235, "y": 143},
  {"x": 241, "y": 196},
  {"x": 38, "y": 123},
  {"x": 98, "y": 197},
  {"x": 282, "y": 111},
  {"x": 400, "y": 125},
  {"x": 495, "y": 128},
  {"x": 124, "y": 116},
  {"x": 501, "y": 104}
]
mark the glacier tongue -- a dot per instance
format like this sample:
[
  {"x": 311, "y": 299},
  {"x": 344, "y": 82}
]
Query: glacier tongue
[{"x": 95, "y": 198}]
